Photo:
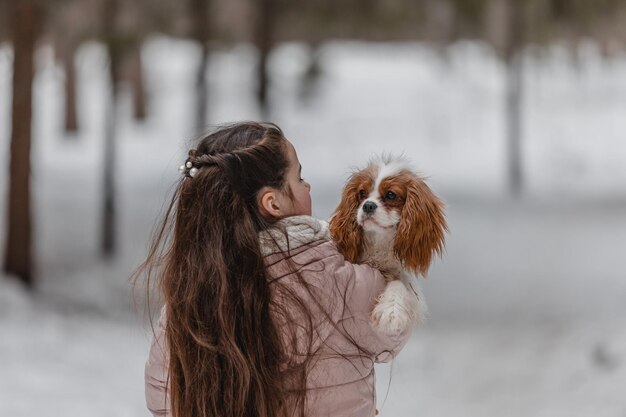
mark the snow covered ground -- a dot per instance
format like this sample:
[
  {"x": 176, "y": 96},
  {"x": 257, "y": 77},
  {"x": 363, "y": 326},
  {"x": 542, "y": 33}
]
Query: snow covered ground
[{"x": 527, "y": 306}]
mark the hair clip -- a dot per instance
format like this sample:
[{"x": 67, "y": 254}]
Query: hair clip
[{"x": 188, "y": 169}]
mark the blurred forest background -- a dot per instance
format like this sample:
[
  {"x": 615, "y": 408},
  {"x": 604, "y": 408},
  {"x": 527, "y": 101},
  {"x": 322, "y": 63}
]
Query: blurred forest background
[
  {"x": 508, "y": 26},
  {"x": 492, "y": 98}
]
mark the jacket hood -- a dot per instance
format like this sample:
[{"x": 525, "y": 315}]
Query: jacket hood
[{"x": 292, "y": 233}]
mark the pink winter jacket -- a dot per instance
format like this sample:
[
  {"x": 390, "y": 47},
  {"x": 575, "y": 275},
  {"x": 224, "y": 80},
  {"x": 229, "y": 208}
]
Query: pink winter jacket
[{"x": 341, "y": 380}]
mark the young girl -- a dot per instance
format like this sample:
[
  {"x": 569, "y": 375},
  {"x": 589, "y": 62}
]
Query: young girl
[{"x": 262, "y": 316}]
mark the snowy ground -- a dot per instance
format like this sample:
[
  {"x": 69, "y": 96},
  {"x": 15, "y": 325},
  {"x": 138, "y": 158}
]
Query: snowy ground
[{"x": 527, "y": 310}]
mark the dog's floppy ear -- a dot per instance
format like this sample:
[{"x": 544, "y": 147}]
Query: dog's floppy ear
[
  {"x": 422, "y": 227},
  {"x": 344, "y": 229}
]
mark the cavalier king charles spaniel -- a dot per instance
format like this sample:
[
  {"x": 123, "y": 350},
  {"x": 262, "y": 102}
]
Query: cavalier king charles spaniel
[{"x": 390, "y": 219}]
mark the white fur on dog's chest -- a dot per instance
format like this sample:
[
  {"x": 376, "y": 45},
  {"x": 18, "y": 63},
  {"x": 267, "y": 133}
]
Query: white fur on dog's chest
[{"x": 378, "y": 251}]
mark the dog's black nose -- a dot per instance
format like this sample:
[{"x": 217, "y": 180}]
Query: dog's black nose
[{"x": 369, "y": 207}]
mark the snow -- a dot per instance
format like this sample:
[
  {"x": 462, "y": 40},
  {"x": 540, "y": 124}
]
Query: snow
[{"x": 527, "y": 311}]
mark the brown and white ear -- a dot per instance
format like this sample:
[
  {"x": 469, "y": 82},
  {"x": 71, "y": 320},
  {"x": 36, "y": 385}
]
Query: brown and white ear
[
  {"x": 344, "y": 229},
  {"x": 422, "y": 228}
]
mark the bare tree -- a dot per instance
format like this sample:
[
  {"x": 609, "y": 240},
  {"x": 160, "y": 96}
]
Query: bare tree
[
  {"x": 137, "y": 82},
  {"x": 504, "y": 27},
  {"x": 18, "y": 255},
  {"x": 514, "y": 94},
  {"x": 264, "y": 40},
  {"x": 200, "y": 33},
  {"x": 67, "y": 56},
  {"x": 5, "y": 19},
  {"x": 114, "y": 46},
  {"x": 66, "y": 24}
]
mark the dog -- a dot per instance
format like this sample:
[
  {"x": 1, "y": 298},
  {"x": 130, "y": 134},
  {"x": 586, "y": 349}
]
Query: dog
[{"x": 390, "y": 219}]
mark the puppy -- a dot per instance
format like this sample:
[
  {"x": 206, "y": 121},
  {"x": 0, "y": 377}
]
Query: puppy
[{"x": 390, "y": 219}]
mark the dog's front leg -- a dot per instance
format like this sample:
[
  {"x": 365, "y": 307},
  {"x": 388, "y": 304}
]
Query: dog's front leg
[{"x": 400, "y": 305}]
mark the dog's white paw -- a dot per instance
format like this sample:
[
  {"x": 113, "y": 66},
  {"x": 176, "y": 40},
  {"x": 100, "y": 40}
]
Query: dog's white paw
[{"x": 397, "y": 309}]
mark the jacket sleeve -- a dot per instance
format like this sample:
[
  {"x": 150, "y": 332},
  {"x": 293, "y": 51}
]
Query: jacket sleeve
[
  {"x": 365, "y": 286},
  {"x": 157, "y": 395},
  {"x": 343, "y": 292}
]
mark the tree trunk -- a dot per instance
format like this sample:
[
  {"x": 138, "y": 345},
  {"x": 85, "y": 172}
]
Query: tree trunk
[
  {"x": 18, "y": 253},
  {"x": 202, "y": 97},
  {"x": 311, "y": 77},
  {"x": 200, "y": 14},
  {"x": 264, "y": 39},
  {"x": 137, "y": 82},
  {"x": 514, "y": 115},
  {"x": 71, "y": 115},
  {"x": 514, "y": 95},
  {"x": 108, "y": 244}
]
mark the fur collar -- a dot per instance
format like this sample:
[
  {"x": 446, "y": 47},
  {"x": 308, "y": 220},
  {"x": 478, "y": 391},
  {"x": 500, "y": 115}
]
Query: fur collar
[{"x": 291, "y": 233}]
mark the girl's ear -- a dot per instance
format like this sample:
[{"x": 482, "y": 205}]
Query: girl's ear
[
  {"x": 344, "y": 229},
  {"x": 269, "y": 203},
  {"x": 422, "y": 226}
]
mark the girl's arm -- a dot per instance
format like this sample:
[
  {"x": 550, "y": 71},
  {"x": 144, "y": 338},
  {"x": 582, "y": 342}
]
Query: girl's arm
[
  {"x": 344, "y": 293},
  {"x": 157, "y": 395}
]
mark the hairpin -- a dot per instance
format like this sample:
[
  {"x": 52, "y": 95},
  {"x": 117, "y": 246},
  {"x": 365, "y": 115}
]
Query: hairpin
[{"x": 188, "y": 169}]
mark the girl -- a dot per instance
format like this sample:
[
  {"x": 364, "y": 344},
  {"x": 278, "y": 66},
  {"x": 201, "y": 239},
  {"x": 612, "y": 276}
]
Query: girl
[{"x": 262, "y": 316}]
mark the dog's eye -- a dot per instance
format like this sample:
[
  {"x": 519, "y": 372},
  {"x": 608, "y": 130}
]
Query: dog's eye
[
  {"x": 362, "y": 193},
  {"x": 390, "y": 195}
]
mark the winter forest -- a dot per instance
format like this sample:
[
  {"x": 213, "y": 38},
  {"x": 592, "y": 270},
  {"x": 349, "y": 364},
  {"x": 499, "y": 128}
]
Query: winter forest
[{"x": 514, "y": 111}]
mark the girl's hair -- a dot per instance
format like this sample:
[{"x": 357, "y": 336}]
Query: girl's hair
[
  {"x": 227, "y": 356},
  {"x": 224, "y": 349}
]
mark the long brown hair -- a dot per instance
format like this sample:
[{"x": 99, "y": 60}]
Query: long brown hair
[{"x": 225, "y": 349}]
